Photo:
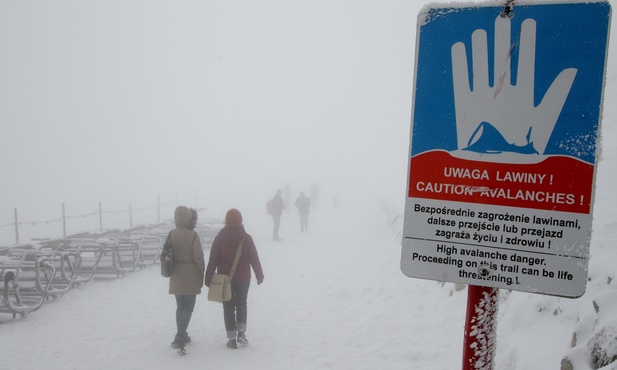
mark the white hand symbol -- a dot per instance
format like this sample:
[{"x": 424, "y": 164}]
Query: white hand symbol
[{"x": 508, "y": 108}]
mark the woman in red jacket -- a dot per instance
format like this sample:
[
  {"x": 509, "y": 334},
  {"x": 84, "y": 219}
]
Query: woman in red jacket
[{"x": 222, "y": 255}]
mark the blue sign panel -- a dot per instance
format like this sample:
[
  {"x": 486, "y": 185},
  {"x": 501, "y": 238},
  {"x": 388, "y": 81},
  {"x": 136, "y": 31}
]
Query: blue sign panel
[
  {"x": 567, "y": 36},
  {"x": 505, "y": 124}
]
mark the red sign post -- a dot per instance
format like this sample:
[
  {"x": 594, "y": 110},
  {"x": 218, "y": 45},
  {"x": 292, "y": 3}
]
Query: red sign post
[{"x": 480, "y": 325}]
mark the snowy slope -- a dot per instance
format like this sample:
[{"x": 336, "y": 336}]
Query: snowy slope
[{"x": 333, "y": 298}]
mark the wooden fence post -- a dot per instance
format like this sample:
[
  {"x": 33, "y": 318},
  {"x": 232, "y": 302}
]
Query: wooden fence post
[
  {"x": 63, "y": 221},
  {"x": 16, "y": 228},
  {"x": 100, "y": 217}
]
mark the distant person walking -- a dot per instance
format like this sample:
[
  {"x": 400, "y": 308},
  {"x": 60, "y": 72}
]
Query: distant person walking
[
  {"x": 222, "y": 256},
  {"x": 304, "y": 206},
  {"x": 275, "y": 207},
  {"x": 335, "y": 200},
  {"x": 187, "y": 274}
]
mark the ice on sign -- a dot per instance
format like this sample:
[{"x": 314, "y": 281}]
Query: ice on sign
[{"x": 505, "y": 123}]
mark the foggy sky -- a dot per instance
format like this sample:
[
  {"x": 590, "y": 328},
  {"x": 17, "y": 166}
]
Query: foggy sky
[{"x": 124, "y": 101}]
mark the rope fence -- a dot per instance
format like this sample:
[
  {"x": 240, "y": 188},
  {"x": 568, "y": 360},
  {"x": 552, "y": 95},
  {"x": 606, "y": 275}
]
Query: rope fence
[
  {"x": 64, "y": 218},
  {"x": 22, "y": 230}
]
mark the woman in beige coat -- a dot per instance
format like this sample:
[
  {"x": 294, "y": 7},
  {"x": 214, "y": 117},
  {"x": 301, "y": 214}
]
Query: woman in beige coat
[{"x": 187, "y": 275}]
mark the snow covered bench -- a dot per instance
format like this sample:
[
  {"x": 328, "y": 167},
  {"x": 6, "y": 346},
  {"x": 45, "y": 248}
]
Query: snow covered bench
[
  {"x": 98, "y": 257},
  {"x": 67, "y": 261},
  {"x": 207, "y": 229},
  {"x": 27, "y": 277},
  {"x": 127, "y": 250},
  {"x": 149, "y": 248}
]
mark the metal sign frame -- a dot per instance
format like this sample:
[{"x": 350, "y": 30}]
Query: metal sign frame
[{"x": 506, "y": 116}]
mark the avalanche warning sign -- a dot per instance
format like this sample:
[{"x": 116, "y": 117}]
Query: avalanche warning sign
[{"x": 506, "y": 116}]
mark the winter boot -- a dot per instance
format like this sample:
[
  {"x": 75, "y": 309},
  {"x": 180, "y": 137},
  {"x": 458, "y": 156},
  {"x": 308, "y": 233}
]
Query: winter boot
[
  {"x": 242, "y": 338},
  {"x": 178, "y": 343},
  {"x": 232, "y": 344}
]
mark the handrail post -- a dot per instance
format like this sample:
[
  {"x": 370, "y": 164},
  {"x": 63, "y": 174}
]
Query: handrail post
[
  {"x": 100, "y": 218},
  {"x": 16, "y": 228},
  {"x": 63, "y": 221},
  {"x": 130, "y": 216}
]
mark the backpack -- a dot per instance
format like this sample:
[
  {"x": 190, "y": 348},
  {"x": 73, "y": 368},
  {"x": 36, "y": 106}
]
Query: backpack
[
  {"x": 167, "y": 257},
  {"x": 270, "y": 207}
]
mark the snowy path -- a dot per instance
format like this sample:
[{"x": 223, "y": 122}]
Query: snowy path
[{"x": 333, "y": 298}]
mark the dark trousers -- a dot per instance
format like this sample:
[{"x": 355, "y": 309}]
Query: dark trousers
[
  {"x": 235, "y": 310},
  {"x": 184, "y": 310},
  {"x": 303, "y": 221},
  {"x": 277, "y": 225}
]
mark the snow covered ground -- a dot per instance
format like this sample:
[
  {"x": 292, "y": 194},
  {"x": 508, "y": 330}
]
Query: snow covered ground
[{"x": 333, "y": 298}]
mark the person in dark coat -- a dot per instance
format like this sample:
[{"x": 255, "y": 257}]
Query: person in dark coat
[
  {"x": 304, "y": 205},
  {"x": 187, "y": 274},
  {"x": 277, "y": 205},
  {"x": 222, "y": 255}
]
